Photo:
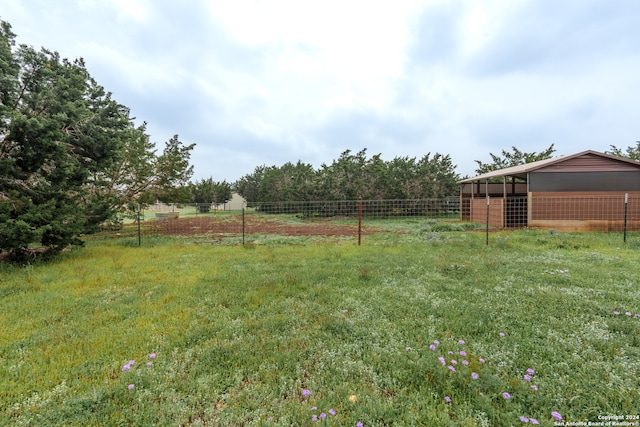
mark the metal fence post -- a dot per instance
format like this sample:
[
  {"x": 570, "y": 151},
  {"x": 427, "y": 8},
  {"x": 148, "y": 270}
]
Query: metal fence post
[
  {"x": 243, "y": 226},
  {"x": 359, "y": 220},
  {"x": 139, "y": 237}
]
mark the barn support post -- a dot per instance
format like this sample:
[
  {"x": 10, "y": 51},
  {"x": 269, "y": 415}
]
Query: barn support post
[
  {"x": 505, "y": 214},
  {"x": 529, "y": 201},
  {"x": 473, "y": 193},
  {"x": 504, "y": 187},
  {"x": 460, "y": 198},
  {"x": 626, "y": 204}
]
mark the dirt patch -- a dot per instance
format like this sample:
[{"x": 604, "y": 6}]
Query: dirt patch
[{"x": 265, "y": 225}]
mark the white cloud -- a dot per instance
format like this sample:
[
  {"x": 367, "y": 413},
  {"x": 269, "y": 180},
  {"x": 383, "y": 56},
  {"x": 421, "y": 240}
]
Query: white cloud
[{"x": 138, "y": 10}]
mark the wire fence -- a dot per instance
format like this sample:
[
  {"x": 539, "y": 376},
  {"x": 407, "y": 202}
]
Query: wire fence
[
  {"x": 353, "y": 219},
  {"x": 607, "y": 213}
]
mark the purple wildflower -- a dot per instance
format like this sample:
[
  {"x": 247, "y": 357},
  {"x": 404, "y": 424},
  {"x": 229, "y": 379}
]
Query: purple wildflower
[
  {"x": 131, "y": 386},
  {"x": 432, "y": 347},
  {"x": 465, "y": 362},
  {"x": 481, "y": 360},
  {"x": 628, "y": 313},
  {"x": 463, "y": 353},
  {"x": 454, "y": 362},
  {"x": 152, "y": 356},
  {"x": 306, "y": 392},
  {"x": 332, "y": 412},
  {"x": 131, "y": 362},
  {"x": 530, "y": 371},
  {"x": 524, "y": 419},
  {"x": 149, "y": 363},
  {"x": 451, "y": 368},
  {"x": 436, "y": 342},
  {"x": 126, "y": 367},
  {"x": 534, "y": 387},
  {"x": 441, "y": 359},
  {"x": 359, "y": 424},
  {"x": 314, "y": 408},
  {"x": 447, "y": 399},
  {"x": 314, "y": 417},
  {"x": 323, "y": 415},
  {"x": 501, "y": 334},
  {"x": 556, "y": 415},
  {"x": 506, "y": 395},
  {"x": 534, "y": 421},
  {"x": 461, "y": 342},
  {"x": 408, "y": 348},
  {"x": 616, "y": 312},
  {"x": 527, "y": 377},
  {"x": 474, "y": 375}
]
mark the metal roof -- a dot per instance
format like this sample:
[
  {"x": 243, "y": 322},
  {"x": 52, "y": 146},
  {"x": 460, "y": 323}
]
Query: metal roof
[{"x": 521, "y": 171}]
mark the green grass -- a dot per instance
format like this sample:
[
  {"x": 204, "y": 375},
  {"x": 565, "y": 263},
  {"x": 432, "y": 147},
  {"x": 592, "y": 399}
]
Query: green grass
[{"x": 240, "y": 332}]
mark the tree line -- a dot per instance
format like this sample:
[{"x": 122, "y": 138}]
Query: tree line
[{"x": 352, "y": 176}]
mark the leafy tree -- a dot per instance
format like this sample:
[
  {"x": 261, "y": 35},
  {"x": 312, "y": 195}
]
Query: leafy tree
[
  {"x": 513, "y": 158},
  {"x": 173, "y": 172},
  {"x": 630, "y": 152},
  {"x": 435, "y": 178},
  {"x": 207, "y": 192},
  {"x": 346, "y": 178},
  {"x": 249, "y": 185},
  {"x": 57, "y": 128},
  {"x": 288, "y": 182},
  {"x": 140, "y": 176}
]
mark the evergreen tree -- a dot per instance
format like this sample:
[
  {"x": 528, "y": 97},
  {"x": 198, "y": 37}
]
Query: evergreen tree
[
  {"x": 57, "y": 127},
  {"x": 207, "y": 192},
  {"x": 631, "y": 152},
  {"x": 512, "y": 158},
  {"x": 70, "y": 156}
]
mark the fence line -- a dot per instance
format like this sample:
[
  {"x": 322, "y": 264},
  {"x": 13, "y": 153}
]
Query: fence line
[
  {"x": 608, "y": 213},
  {"x": 368, "y": 209},
  {"x": 355, "y": 218}
]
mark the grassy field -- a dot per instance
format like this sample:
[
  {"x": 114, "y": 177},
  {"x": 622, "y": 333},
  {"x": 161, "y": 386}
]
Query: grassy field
[{"x": 429, "y": 328}]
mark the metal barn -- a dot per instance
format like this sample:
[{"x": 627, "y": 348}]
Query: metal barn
[{"x": 580, "y": 192}]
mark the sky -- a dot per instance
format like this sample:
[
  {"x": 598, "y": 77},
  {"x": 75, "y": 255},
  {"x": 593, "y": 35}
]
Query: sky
[{"x": 267, "y": 82}]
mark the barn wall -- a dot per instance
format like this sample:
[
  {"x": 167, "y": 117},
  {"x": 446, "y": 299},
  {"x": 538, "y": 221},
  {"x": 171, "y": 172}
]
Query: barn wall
[
  {"x": 496, "y": 212},
  {"x": 584, "y": 181}
]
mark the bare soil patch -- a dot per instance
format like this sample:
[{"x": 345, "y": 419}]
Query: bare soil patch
[{"x": 253, "y": 224}]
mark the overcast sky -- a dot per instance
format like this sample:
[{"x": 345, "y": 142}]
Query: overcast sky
[{"x": 266, "y": 82}]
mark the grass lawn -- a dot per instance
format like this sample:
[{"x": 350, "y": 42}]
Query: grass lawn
[{"x": 426, "y": 328}]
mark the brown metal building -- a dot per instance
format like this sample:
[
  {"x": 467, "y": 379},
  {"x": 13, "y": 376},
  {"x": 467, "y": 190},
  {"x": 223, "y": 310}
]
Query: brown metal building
[{"x": 584, "y": 191}]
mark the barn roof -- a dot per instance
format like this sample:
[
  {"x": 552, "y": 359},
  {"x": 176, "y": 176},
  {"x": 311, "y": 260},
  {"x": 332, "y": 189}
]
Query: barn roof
[{"x": 521, "y": 171}]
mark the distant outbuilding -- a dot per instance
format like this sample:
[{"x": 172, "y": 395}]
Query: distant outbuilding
[{"x": 584, "y": 191}]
